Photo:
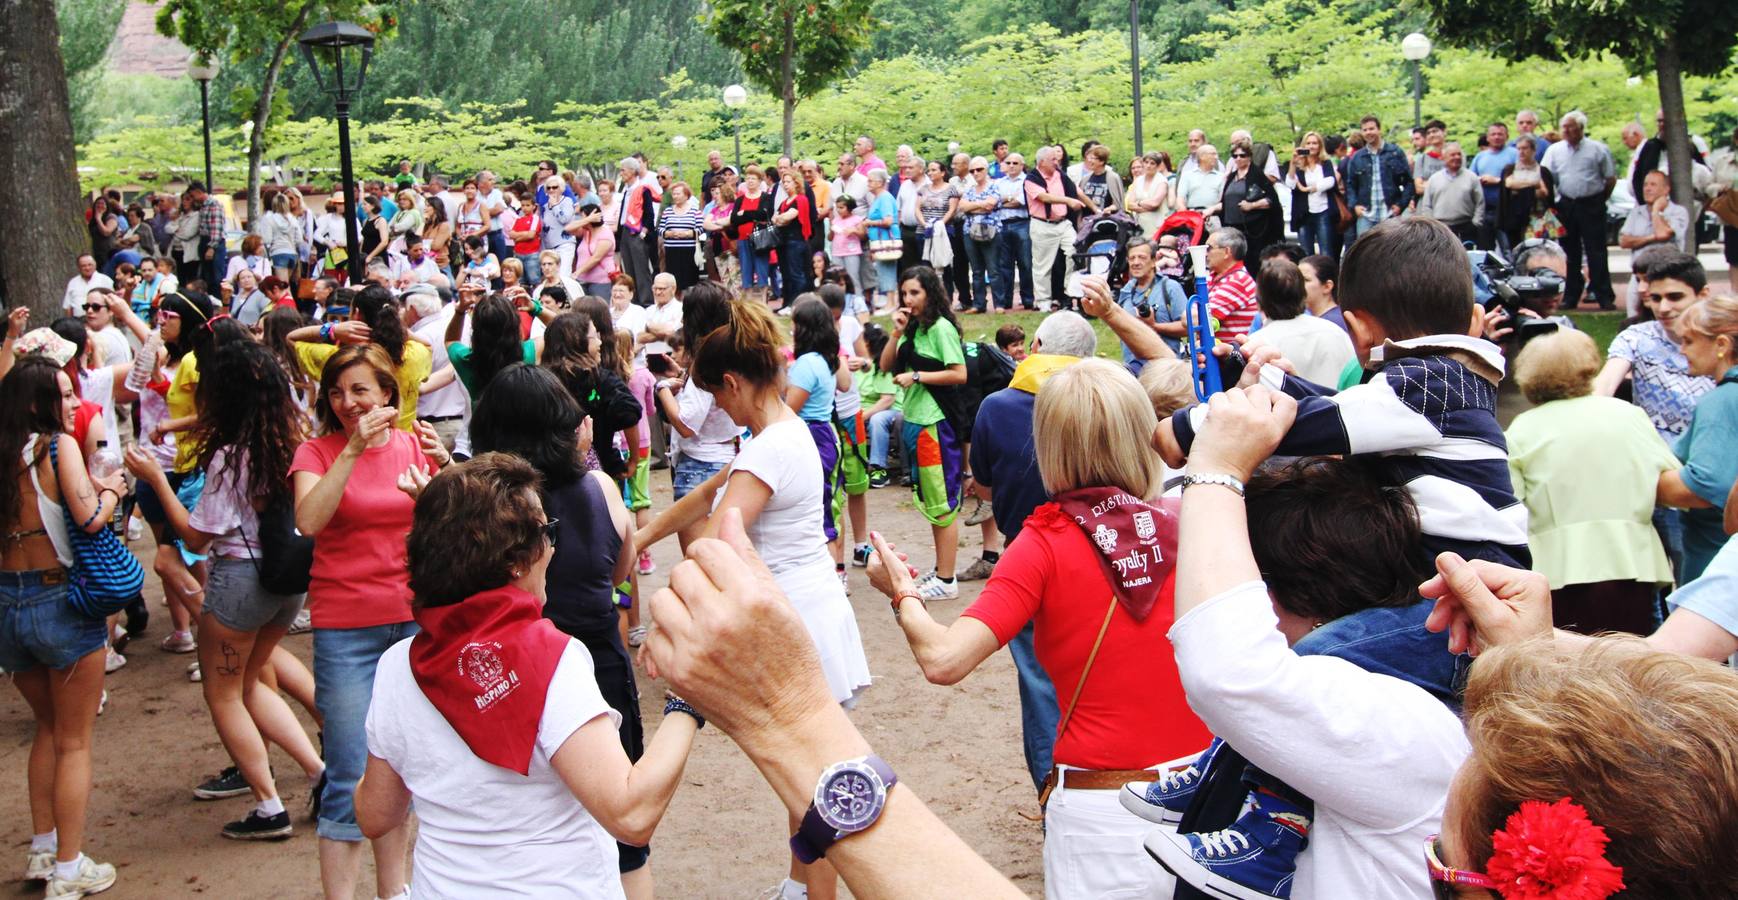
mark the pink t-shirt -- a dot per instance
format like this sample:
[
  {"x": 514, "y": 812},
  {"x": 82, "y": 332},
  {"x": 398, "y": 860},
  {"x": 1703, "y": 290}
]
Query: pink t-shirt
[
  {"x": 359, "y": 575},
  {"x": 643, "y": 385},
  {"x": 846, "y": 240}
]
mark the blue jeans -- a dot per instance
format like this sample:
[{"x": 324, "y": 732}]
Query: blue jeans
[
  {"x": 1038, "y": 710},
  {"x": 1316, "y": 231},
  {"x": 532, "y": 263},
  {"x": 689, "y": 474},
  {"x": 982, "y": 257},
  {"x": 756, "y": 268},
  {"x": 1393, "y": 641},
  {"x": 39, "y": 628},
  {"x": 881, "y": 427},
  {"x": 344, "y": 663},
  {"x": 1365, "y": 223},
  {"x": 1014, "y": 247},
  {"x": 215, "y": 268},
  {"x": 1670, "y": 525}
]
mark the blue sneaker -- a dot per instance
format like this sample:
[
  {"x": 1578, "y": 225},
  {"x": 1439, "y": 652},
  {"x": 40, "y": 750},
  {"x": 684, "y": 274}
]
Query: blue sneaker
[
  {"x": 1254, "y": 859},
  {"x": 1163, "y": 802}
]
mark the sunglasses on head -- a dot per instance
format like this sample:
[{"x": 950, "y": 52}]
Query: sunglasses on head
[{"x": 1443, "y": 879}]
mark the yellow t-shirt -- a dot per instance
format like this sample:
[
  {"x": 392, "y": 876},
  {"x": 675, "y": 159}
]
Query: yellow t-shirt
[
  {"x": 418, "y": 363},
  {"x": 180, "y": 403}
]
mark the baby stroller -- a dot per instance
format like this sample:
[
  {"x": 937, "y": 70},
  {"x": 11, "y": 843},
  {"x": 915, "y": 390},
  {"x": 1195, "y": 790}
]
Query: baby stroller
[
  {"x": 1100, "y": 246},
  {"x": 1190, "y": 227}
]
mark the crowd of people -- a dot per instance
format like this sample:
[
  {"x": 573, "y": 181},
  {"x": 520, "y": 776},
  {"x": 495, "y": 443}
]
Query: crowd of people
[{"x": 1331, "y": 631}]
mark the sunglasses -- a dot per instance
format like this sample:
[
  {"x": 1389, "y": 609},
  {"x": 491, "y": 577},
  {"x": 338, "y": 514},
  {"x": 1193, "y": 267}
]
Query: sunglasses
[
  {"x": 979, "y": 169},
  {"x": 1239, "y": 156},
  {"x": 93, "y": 307},
  {"x": 549, "y": 531},
  {"x": 164, "y": 315},
  {"x": 1443, "y": 879}
]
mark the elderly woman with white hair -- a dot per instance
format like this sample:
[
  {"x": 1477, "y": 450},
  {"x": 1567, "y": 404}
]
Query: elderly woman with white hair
[
  {"x": 1097, "y": 560},
  {"x": 882, "y": 221},
  {"x": 978, "y": 201}
]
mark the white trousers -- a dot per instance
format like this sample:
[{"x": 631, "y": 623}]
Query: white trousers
[
  {"x": 1092, "y": 850},
  {"x": 1047, "y": 238}
]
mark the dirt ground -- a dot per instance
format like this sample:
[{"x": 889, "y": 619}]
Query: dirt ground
[{"x": 725, "y": 833}]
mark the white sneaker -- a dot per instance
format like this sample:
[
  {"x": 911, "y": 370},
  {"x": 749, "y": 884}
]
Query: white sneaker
[
  {"x": 93, "y": 878},
  {"x": 39, "y": 865},
  {"x": 103, "y": 704},
  {"x": 113, "y": 661},
  {"x": 933, "y": 588},
  {"x": 636, "y": 635},
  {"x": 194, "y": 674},
  {"x": 304, "y": 622},
  {"x": 135, "y": 530}
]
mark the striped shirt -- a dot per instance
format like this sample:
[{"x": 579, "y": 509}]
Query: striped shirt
[
  {"x": 1231, "y": 300},
  {"x": 1431, "y": 418},
  {"x": 685, "y": 219}
]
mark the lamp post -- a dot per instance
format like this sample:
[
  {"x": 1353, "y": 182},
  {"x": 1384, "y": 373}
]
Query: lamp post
[
  {"x": 202, "y": 70},
  {"x": 1415, "y": 47},
  {"x": 1134, "y": 51},
  {"x": 734, "y": 96},
  {"x": 335, "y": 41},
  {"x": 680, "y": 142}
]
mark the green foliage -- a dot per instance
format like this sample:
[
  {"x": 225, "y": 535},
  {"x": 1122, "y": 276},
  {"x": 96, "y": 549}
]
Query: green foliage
[
  {"x": 123, "y": 101},
  {"x": 1630, "y": 30},
  {"x": 794, "y": 47},
  {"x": 86, "y": 29}
]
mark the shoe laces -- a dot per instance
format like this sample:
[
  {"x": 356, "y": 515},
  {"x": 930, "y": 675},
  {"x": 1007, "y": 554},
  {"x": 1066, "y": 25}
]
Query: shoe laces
[
  {"x": 1217, "y": 844},
  {"x": 1180, "y": 778},
  {"x": 932, "y": 588}
]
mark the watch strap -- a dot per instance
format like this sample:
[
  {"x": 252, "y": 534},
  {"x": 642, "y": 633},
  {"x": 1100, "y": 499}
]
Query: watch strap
[{"x": 816, "y": 836}]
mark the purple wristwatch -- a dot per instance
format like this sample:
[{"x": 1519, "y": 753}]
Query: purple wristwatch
[{"x": 848, "y": 799}]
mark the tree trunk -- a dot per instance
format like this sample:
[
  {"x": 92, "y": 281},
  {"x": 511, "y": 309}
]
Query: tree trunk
[
  {"x": 1669, "y": 71},
  {"x": 39, "y": 191},
  {"x": 262, "y": 110},
  {"x": 788, "y": 61}
]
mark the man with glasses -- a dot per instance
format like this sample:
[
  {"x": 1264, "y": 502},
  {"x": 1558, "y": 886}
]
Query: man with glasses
[
  {"x": 1014, "y": 241},
  {"x": 1230, "y": 290},
  {"x": 87, "y": 279}
]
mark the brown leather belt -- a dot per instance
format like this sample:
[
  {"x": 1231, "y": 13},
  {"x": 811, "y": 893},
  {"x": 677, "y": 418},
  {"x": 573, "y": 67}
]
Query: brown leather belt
[{"x": 1091, "y": 780}]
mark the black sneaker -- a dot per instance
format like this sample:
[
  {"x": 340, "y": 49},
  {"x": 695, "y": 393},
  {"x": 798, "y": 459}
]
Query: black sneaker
[
  {"x": 878, "y": 478},
  {"x": 257, "y": 827},
  {"x": 314, "y": 798},
  {"x": 225, "y": 784}
]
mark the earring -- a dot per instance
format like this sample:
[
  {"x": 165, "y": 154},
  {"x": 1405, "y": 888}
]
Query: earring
[{"x": 518, "y": 574}]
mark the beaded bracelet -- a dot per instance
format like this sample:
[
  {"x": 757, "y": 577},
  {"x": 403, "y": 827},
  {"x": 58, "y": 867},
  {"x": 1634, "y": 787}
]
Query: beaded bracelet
[{"x": 673, "y": 703}]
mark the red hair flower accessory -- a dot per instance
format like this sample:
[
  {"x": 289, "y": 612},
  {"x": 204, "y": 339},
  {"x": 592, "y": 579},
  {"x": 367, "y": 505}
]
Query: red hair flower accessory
[{"x": 1552, "y": 851}]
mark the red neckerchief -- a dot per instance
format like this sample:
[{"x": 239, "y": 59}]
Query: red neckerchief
[
  {"x": 486, "y": 663},
  {"x": 1136, "y": 542}
]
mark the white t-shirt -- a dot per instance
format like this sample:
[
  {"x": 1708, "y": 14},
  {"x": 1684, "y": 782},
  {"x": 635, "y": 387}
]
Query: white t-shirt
[
  {"x": 76, "y": 289},
  {"x": 631, "y": 320},
  {"x": 846, "y": 404},
  {"x": 112, "y": 345},
  {"x": 715, "y": 433},
  {"x": 491, "y": 200},
  {"x": 452, "y": 399},
  {"x": 1318, "y": 349},
  {"x": 488, "y": 831},
  {"x": 1375, "y": 753},
  {"x": 98, "y": 386}
]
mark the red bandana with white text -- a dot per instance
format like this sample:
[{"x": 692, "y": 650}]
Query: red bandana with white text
[
  {"x": 486, "y": 663},
  {"x": 1136, "y": 542}
]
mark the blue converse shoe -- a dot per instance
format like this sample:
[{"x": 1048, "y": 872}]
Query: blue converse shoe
[
  {"x": 1163, "y": 802},
  {"x": 1254, "y": 859}
]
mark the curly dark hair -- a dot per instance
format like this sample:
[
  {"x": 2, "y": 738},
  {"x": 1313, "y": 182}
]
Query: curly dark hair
[
  {"x": 495, "y": 342},
  {"x": 247, "y": 408},
  {"x": 935, "y": 304},
  {"x": 475, "y": 523}
]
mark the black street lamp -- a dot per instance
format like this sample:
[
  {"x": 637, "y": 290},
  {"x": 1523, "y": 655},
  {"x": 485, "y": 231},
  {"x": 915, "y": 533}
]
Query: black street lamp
[
  {"x": 342, "y": 42},
  {"x": 203, "y": 70}
]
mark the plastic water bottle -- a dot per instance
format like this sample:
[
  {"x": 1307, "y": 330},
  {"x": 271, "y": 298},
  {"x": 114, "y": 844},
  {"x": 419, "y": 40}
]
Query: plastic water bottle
[{"x": 105, "y": 462}]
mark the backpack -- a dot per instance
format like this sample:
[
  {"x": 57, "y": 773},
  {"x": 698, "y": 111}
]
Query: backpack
[{"x": 987, "y": 367}]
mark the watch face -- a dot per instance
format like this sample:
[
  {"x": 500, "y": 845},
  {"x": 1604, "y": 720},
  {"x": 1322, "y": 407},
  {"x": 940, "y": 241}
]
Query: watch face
[{"x": 850, "y": 797}]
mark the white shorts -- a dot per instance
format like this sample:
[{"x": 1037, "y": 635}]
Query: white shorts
[{"x": 1092, "y": 848}]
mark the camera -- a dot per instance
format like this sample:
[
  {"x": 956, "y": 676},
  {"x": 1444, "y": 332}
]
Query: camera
[
  {"x": 1497, "y": 282},
  {"x": 1144, "y": 310}
]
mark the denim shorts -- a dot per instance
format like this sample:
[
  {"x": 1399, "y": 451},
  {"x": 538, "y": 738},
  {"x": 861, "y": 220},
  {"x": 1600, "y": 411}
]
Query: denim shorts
[
  {"x": 689, "y": 474},
  {"x": 39, "y": 628},
  {"x": 235, "y": 599},
  {"x": 344, "y": 663},
  {"x": 283, "y": 260}
]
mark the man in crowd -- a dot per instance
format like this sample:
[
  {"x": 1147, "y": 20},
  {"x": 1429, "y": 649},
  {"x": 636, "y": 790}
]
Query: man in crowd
[
  {"x": 416, "y": 266},
  {"x": 1527, "y": 125},
  {"x": 1230, "y": 290},
  {"x": 1488, "y": 165},
  {"x": 163, "y": 220},
  {"x": 1585, "y": 175},
  {"x": 714, "y": 168},
  {"x": 448, "y": 408},
  {"x": 998, "y": 152},
  {"x": 376, "y": 188},
  {"x": 1429, "y": 161},
  {"x": 1379, "y": 183},
  {"x": 634, "y": 229},
  {"x": 663, "y": 321},
  {"x": 1655, "y": 219},
  {"x": 1014, "y": 250},
  {"x": 851, "y": 182},
  {"x": 905, "y": 189},
  {"x": 212, "y": 246},
  {"x": 1158, "y": 302},
  {"x": 1052, "y": 201},
  {"x": 866, "y": 158},
  {"x": 1454, "y": 196},
  {"x": 1196, "y": 138},
  {"x": 495, "y": 205},
  {"x": 80, "y": 285}
]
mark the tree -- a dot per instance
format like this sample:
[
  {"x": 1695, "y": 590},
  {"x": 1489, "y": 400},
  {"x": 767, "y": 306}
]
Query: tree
[
  {"x": 242, "y": 29},
  {"x": 793, "y": 47},
  {"x": 87, "y": 28},
  {"x": 1672, "y": 38},
  {"x": 38, "y": 180}
]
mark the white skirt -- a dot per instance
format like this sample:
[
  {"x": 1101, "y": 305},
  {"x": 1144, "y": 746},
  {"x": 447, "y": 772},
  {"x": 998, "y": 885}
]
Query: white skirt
[
  {"x": 1092, "y": 849},
  {"x": 815, "y": 591}
]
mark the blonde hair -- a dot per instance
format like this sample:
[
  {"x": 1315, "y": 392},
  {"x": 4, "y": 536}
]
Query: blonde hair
[
  {"x": 1713, "y": 317},
  {"x": 1557, "y": 366},
  {"x": 1641, "y": 738},
  {"x": 514, "y": 264},
  {"x": 1094, "y": 428},
  {"x": 1170, "y": 385}
]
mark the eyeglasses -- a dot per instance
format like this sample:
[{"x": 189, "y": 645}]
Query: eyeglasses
[
  {"x": 1239, "y": 156},
  {"x": 549, "y": 531},
  {"x": 1443, "y": 879},
  {"x": 164, "y": 315},
  {"x": 979, "y": 169}
]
